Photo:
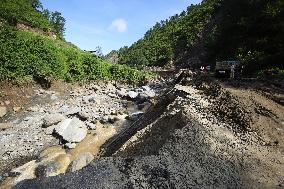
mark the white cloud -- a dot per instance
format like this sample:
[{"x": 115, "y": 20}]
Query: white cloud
[{"x": 118, "y": 25}]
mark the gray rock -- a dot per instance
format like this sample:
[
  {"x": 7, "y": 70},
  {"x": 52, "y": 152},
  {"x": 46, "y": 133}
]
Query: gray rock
[
  {"x": 132, "y": 94},
  {"x": 72, "y": 130},
  {"x": 112, "y": 95},
  {"x": 92, "y": 99},
  {"x": 134, "y": 116},
  {"x": 52, "y": 119},
  {"x": 146, "y": 88},
  {"x": 122, "y": 92},
  {"x": 82, "y": 161},
  {"x": 63, "y": 109},
  {"x": 73, "y": 111}
]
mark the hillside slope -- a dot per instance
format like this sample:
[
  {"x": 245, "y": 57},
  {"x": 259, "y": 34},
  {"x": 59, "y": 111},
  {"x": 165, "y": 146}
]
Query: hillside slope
[
  {"x": 29, "y": 50},
  {"x": 250, "y": 31}
]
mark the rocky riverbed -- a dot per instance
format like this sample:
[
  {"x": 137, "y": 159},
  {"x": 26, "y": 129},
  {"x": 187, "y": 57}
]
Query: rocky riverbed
[
  {"x": 65, "y": 131},
  {"x": 197, "y": 133}
]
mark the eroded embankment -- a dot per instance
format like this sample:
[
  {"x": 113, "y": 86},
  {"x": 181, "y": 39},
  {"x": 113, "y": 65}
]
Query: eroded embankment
[{"x": 201, "y": 135}]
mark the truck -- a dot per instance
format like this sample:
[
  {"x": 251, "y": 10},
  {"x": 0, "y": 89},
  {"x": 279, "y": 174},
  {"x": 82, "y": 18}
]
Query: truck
[{"x": 228, "y": 69}]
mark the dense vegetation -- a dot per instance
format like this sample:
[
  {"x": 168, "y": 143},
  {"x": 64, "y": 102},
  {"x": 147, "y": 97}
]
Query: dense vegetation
[
  {"x": 27, "y": 54},
  {"x": 31, "y": 13},
  {"x": 251, "y": 31}
]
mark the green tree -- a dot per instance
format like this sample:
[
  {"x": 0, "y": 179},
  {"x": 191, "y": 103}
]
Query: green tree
[{"x": 58, "y": 22}]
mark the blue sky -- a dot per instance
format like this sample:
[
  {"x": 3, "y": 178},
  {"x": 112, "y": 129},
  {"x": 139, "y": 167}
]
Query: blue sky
[{"x": 112, "y": 24}]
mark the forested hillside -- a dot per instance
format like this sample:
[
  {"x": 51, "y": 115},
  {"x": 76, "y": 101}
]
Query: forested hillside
[
  {"x": 250, "y": 31},
  {"x": 32, "y": 45}
]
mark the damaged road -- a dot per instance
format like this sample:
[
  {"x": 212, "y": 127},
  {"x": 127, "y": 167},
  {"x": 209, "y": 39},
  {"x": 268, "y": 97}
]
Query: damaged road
[{"x": 200, "y": 134}]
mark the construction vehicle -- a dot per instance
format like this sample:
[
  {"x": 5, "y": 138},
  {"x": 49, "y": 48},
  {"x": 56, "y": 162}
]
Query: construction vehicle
[{"x": 228, "y": 69}]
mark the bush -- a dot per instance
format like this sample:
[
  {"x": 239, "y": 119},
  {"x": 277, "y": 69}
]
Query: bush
[{"x": 24, "y": 54}]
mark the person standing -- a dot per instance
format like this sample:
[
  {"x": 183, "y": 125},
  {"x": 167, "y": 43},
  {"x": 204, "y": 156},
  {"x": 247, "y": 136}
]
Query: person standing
[{"x": 233, "y": 66}]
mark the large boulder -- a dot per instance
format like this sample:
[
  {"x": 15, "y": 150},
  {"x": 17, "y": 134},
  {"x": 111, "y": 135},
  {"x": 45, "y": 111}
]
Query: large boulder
[
  {"x": 3, "y": 111},
  {"x": 52, "y": 119},
  {"x": 72, "y": 130},
  {"x": 81, "y": 161}
]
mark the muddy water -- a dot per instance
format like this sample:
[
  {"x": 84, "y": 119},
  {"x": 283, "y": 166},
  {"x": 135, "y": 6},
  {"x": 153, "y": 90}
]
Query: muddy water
[{"x": 93, "y": 141}]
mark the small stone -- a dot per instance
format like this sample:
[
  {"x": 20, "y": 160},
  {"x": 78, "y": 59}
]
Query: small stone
[
  {"x": 132, "y": 94},
  {"x": 135, "y": 116},
  {"x": 17, "y": 109},
  {"x": 94, "y": 99},
  {"x": 3, "y": 111},
  {"x": 4, "y": 126},
  {"x": 63, "y": 109},
  {"x": 52, "y": 119},
  {"x": 7, "y": 102},
  {"x": 112, "y": 95}
]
